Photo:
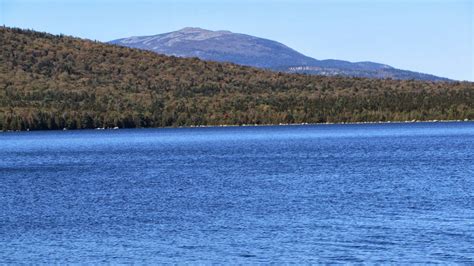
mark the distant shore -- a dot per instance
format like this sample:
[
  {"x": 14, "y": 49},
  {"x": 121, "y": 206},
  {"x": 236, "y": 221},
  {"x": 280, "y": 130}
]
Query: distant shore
[
  {"x": 261, "y": 125},
  {"x": 333, "y": 123}
]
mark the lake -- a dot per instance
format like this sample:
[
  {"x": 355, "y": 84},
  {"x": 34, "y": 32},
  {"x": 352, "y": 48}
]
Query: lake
[{"x": 376, "y": 193}]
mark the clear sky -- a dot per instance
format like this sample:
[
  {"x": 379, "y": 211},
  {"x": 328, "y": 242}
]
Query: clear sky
[{"x": 431, "y": 36}]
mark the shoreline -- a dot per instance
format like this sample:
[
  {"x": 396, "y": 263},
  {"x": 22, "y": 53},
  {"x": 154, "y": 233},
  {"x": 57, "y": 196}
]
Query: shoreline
[
  {"x": 333, "y": 123},
  {"x": 262, "y": 125}
]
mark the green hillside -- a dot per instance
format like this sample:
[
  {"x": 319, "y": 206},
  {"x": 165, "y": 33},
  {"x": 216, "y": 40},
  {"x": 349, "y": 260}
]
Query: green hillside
[{"x": 55, "y": 82}]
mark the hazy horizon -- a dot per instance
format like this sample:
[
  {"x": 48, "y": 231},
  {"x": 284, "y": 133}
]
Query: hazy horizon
[{"x": 432, "y": 37}]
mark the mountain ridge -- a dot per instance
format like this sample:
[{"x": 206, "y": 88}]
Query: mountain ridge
[{"x": 248, "y": 50}]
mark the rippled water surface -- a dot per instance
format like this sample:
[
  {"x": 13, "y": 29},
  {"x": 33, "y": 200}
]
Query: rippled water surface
[{"x": 325, "y": 193}]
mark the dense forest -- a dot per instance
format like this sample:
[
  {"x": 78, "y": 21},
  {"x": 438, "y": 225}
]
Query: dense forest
[{"x": 56, "y": 82}]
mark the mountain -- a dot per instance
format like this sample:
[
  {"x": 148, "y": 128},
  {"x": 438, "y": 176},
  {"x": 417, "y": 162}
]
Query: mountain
[
  {"x": 56, "y": 82},
  {"x": 225, "y": 46}
]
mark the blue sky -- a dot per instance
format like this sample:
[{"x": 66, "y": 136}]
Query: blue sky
[{"x": 431, "y": 36}]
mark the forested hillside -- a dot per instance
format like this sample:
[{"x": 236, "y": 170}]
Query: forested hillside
[{"x": 55, "y": 82}]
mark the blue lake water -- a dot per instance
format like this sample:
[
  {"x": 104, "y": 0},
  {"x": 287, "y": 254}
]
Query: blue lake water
[{"x": 315, "y": 194}]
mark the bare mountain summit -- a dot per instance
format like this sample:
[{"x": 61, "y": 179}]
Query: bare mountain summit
[{"x": 225, "y": 46}]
